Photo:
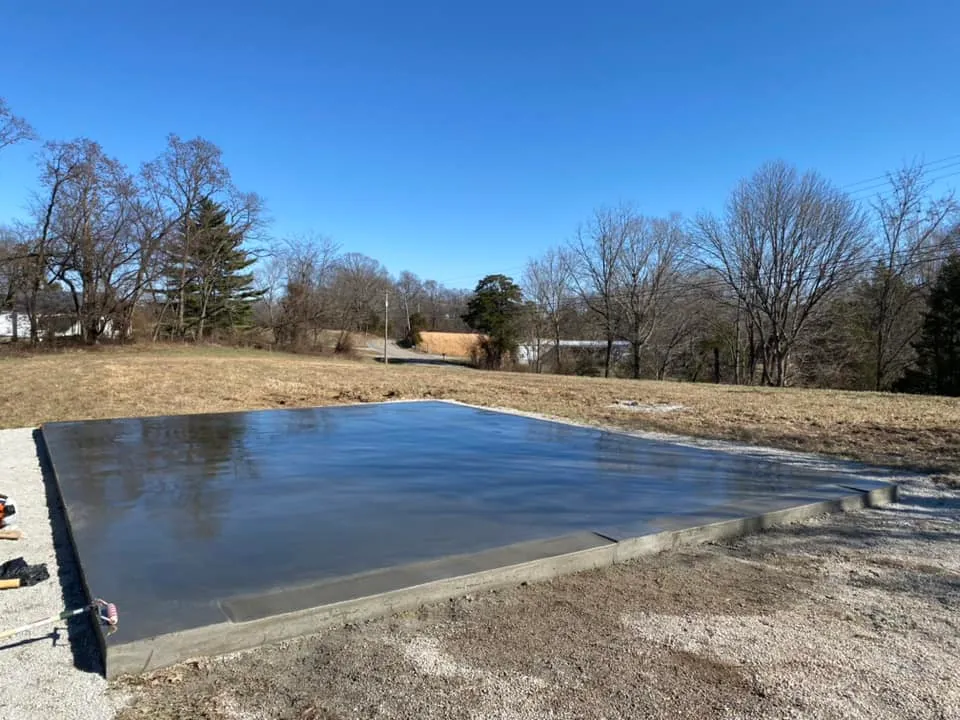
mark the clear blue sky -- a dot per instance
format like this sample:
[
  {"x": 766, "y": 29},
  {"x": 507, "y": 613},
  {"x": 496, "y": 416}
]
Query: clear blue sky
[{"x": 455, "y": 138}]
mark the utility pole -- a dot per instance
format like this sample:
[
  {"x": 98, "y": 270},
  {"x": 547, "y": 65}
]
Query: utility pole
[
  {"x": 386, "y": 319},
  {"x": 737, "y": 372}
]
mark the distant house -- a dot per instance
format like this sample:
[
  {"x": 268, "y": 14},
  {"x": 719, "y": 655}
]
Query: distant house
[
  {"x": 55, "y": 311},
  {"x": 16, "y": 326},
  {"x": 528, "y": 353}
]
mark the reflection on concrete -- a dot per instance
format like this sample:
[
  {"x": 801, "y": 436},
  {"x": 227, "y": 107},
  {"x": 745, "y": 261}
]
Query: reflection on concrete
[{"x": 172, "y": 514}]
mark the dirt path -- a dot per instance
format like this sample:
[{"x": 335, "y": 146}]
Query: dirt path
[{"x": 849, "y": 616}]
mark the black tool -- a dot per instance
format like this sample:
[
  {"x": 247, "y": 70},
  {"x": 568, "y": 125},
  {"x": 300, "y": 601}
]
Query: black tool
[{"x": 16, "y": 573}]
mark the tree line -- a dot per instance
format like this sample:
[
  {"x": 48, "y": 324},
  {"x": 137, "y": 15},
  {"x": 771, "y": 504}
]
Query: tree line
[
  {"x": 793, "y": 282},
  {"x": 174, "y": 250},
  {"x": 310, "y": 285},
  {"x": 172, "y": 241}
]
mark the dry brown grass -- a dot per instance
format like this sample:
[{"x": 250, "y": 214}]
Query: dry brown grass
[
  {"x": 148, "y": 380},
  {"x": 444, "y": 343}
]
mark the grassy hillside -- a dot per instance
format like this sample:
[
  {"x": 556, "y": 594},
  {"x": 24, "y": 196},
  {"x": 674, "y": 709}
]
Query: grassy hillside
[{"x": 151, "y": 380}]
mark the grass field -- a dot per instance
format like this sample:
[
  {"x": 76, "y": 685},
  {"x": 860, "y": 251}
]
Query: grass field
[{"x": 904, "y": 430}]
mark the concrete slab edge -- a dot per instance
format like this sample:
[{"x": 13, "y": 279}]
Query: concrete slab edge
[
  {"x": 223, "y": 638},
  {"x": 285, "y": 600}
]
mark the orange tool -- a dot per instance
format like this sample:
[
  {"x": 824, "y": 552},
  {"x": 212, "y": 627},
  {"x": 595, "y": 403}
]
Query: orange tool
[{"x": 7, "y": 510}]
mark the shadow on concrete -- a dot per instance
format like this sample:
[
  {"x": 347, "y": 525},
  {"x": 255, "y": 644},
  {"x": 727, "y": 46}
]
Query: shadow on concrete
[{"x": 81, "y": 633}]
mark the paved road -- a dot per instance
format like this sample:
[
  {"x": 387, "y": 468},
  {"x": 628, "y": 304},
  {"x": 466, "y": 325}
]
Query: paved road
[{"x": 395, "y": 352}]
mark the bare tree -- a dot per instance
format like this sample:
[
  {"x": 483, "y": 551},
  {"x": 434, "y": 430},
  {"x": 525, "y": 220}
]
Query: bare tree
[
  {"x": 149, "y": 230},
  {"x": 97, "y": 254},
  {"x": 536, "y": 324},
  {"x": 681, "y": 317},
  {"x": 452, "y": 306},
  {"x": 269, "y": 281},
  {"x": 596, "y": 251},
  {"x": 431, "y": 292},
  {"x": 909, "y": 224},
  {"x": 648, "y": 262},
  {"x": 784, "y": 244},
  {"x": 358, "y": 287},
  {"x": 13, "y": 129},
  {"x": 547, "y": 282},
  {"x": 306, "y": 268},
  {"x": 59, "y": 164},
  {"x": 13, "y": 251},
  {"x": 175, "y": 184},
  {"x": 410, "y": 290},
  {"x": 14, "y": 248}
]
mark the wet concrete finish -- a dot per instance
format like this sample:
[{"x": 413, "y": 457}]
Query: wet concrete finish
[
  {"x": 186, "y": 521},
  {"x": 255, "y": 607}
]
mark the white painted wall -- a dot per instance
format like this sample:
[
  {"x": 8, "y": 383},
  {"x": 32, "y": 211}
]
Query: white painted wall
[
  {"x": 6, "y": 325},
  {"x": 23, "y": 327},
  {"x": 527, "y": 353}
]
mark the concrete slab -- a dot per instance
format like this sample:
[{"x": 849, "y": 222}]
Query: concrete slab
[
  {"x": 286, "y": 600},
  {"x": 217, "y": 532}
]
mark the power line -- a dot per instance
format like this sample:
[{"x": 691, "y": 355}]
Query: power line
[
  {"x": 952, "y": 161},
  {"x": 924, "y": 168},
  {"x": 865, "y": 192}
]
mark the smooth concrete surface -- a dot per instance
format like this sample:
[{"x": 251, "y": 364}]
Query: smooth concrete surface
[
  {"x": 218, "y": 532},
  {"x": 327, "y": 592},
  {"x": 225, "y": 637}
]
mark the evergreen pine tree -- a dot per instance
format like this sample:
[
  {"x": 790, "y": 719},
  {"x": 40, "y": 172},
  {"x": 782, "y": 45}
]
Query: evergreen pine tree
[
  {"x": 219, "y": 294},
  {"x": 496, "y": 309},
  {"x": 938, "y": 349}
]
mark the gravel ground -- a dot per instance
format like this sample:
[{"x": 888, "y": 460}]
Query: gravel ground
[
  {"x": 52, "y": 672},
  {"x": 847, "y": 616}
]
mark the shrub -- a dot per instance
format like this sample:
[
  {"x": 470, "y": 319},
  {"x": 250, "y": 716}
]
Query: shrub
[
  {"x": 344, "y": 344},
  {"x": 586, "y": 366}
]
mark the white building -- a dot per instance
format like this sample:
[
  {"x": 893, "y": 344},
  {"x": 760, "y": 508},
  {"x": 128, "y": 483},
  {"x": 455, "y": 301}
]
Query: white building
[
  {"x": 7, "y": 320},
  {"x": 62, "y": 325},
  {"x": 528, "y": 353}
]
